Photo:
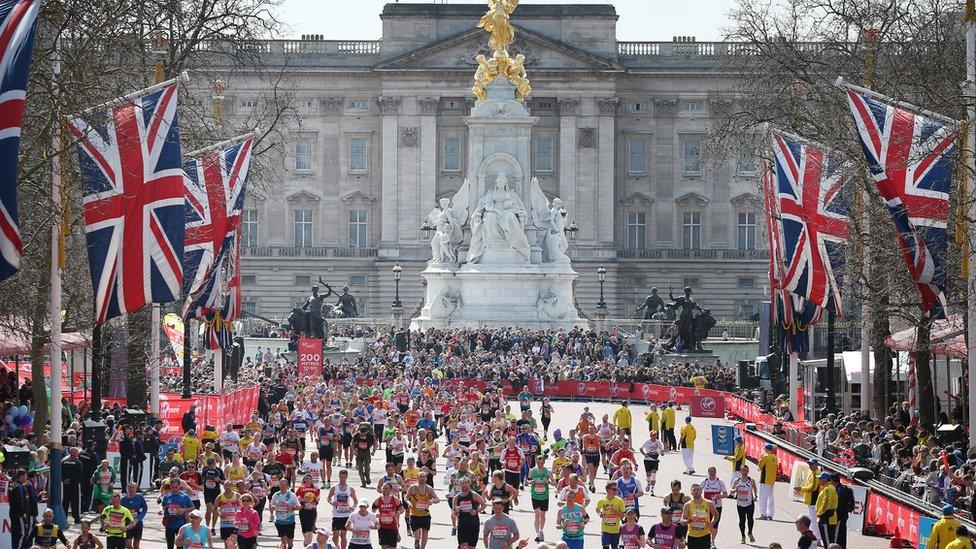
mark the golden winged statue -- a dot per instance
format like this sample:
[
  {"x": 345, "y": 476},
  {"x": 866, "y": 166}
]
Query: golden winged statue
[{"x": 496, "y": 22}]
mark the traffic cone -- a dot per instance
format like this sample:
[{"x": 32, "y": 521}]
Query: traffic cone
[{"x": 896, "y": 541}]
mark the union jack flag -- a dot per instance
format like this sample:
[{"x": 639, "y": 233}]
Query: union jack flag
[
  {"x": 813, "y": 213},
  {"x": 215, "y": 186},
  {"x": 129, "y": 159},
  {"x": 911, "y": 158},
  {"x": 233, "y": 301},
  {"x": 777, "y": 293},
  {"x": 217, "y": 332},
  {"x": 17, "y": 19},
  {"x": 792, "y": 314}
]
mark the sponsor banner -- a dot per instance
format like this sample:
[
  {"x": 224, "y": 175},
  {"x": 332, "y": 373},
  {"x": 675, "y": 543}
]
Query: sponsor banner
[
  {"x": 173, "y": 328},
  {"x": 310, "y": 358},
  {"x": 855, "y": 520},
  {"x": 801, "y": 471},
  {"x": 708, "y": 406},
  {"x": 924, "y": 528},
  {"x": 602, "y": 389},
  {"x": 889, "y": 518},
  {"x": 217, "y": 410},
  {"x": 723, "y": 440}
]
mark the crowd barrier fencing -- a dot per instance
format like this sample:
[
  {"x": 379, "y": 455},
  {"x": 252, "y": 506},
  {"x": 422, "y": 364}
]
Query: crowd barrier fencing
[{"x": 234, "y": 407}]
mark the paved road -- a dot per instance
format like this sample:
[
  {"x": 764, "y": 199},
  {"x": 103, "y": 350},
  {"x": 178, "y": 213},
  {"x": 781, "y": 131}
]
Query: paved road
[{"x": 781, "y": 529}]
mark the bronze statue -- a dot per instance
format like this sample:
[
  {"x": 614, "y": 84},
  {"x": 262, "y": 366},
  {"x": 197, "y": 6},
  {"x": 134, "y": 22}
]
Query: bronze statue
[
  {"x": 653, "y": 304},
  {"x": 685, "y": 307}
]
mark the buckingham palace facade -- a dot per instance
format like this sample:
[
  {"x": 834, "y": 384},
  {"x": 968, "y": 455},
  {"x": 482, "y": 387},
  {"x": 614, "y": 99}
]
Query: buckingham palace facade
[{"x": 382, "y": 136}]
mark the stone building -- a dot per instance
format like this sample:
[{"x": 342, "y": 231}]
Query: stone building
[{"x": 382, "y": 135}]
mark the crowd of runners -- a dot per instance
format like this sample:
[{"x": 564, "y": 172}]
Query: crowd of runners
[{"x": 449, "y": 452}]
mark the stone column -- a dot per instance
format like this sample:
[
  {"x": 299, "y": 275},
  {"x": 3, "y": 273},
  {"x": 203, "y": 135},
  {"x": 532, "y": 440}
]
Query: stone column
[
  {"x": 330, "y": 145},
  {"x": 567, "y": 152},
  {"x": 663, "y": 169},
  {"x": 389, "y": 107},
  {"x": 606, "y": 171},
  {"x": 428, "y": 158}
]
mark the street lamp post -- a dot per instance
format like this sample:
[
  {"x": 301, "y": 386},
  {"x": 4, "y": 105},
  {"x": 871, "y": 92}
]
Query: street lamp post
[
  {"x": 572, "y": 230},
  {"x": 426, "y": 230},
  {"x": 601, "y": 306},
  {"x": 397, "y": 269}
]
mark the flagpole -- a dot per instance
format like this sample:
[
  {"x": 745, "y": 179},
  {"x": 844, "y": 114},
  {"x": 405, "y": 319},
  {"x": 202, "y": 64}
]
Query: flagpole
[
  {"x": 843, "y": 84},
  {"x": 225, "y": 143},
  {"x": 867, "y": 379},
  {"x": 183, "y": 77},
  {"x": 159, "y": 50},
  {"x": 970, "y": 152},
  {"x": 55, "y": 485}
]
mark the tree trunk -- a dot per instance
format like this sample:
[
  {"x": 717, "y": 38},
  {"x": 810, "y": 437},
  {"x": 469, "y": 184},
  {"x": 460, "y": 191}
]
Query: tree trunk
[
  {"x": 39, "y": 338},
  {"x": 138, "y": 324},
  {"x": 881, "y": 329},
  {"x": 923, "y": 373}
]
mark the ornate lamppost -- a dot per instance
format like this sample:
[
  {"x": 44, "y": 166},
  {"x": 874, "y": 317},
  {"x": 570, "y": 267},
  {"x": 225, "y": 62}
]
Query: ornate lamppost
[
  {"x": 397, "y": 269},
  {"x": 601, "y": 306}
]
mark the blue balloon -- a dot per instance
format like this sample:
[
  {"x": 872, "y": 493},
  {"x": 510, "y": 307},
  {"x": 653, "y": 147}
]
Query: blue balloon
[
  {"x": 14, "y": 412},
  {"x": 23, "y": 409},
  {"x": 9, "y": 419}
]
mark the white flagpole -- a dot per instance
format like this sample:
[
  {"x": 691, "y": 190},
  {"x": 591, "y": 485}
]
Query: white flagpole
[
  {"x": 154, "y": 361},
  {"x": 55, "y": 304},
  {"x": 225, "y": 143},
  {"x": 843, "y": 84},
  {"x": 183, "y": 77},
  {"x": 970, "y": 184}
]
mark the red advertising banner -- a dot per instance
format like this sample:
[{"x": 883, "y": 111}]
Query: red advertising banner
[
  {"x": 310, "y": 358},
  {"x": 889, "y": 517},
  {"x": 217, "y": 410},
  {"x": 602, "y": 389},
  {"x": 708, "y": 406}
]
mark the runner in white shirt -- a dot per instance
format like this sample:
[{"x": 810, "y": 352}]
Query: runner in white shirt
[
  {"x": 230, "y": 443},
  {"x": 254, "y": 452},
  {"x": 652, "y": 450},
  {"x": 360, "y": 524},
  {"x": 714, "y": 490},
  {"x": 313, "y": 467}
]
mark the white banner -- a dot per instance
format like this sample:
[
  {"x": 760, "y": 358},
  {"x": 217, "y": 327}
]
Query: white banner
[{"x": 855, "y": 521}]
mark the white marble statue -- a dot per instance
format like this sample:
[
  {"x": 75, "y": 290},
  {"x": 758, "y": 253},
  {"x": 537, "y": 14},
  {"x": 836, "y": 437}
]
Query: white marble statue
[
  {"x": 497, "y": 222},
  {"x": 551, "y": 222},
  {"x": 449, "y": 223}
]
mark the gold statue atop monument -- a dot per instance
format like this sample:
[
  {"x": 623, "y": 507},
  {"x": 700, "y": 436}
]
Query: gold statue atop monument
[{"x": 496, "y": 22}]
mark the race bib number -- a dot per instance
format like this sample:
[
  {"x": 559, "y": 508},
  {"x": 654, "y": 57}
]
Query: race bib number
[
  {"x": 539, "y": 488},
  {"x": 629, "y": 501},
  {"x": 386, "y": 519},
  {"x": 422, "y": 505},
  {"x": 466, "y": 506},
  {"x": 174, "y": 509},
  {"x": 114, "y": 520},
  {"x": 360, "y": 537},
  {"x": 499, "y": 532},
  {"x": 243, "y": 527},
  {"x": 573, "y": 528}
]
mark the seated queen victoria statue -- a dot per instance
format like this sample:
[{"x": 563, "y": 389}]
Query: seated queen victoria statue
[{"x": 497, "y": 222}]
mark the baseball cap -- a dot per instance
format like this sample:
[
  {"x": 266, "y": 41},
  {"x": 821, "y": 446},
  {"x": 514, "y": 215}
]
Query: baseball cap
[
  {"x": 196, "y": 514},
  {"x": 825, "y": 475},
  {"x": 768, "y": 446},
  {"x": 814, "y": 461},
  {"x": 363, "y": 504},
  {"x": 687, "y": 419},
  {"x": 948, "y": 510}
]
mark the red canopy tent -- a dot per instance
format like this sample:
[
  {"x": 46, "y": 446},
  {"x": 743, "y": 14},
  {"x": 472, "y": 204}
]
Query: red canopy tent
[{"x": 947, "y": 338}]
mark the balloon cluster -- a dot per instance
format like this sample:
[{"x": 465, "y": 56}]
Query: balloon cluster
[{"x": 19, "y": 418}]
